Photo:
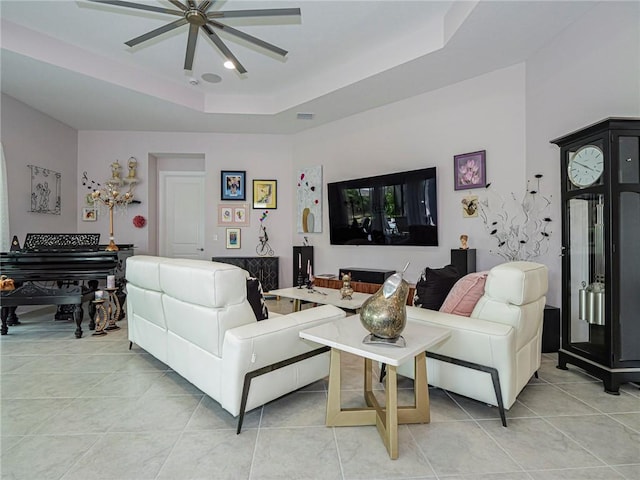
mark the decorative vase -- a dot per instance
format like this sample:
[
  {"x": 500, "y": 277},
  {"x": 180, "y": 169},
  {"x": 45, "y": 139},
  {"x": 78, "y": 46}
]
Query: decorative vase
[{"x": 384, "y": 314}]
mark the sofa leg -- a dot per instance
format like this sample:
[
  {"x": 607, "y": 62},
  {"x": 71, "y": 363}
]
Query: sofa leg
[
  {"x": 495, "y": 378},
  {"x": 270, "y": 368},
  {"x": 535, "y": 374},
  {"x": 130, "y": 344}
]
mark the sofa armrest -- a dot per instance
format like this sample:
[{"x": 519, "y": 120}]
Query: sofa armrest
[
  {"x": 256, "y": 345},
  {"x": 472, "y": 339}
]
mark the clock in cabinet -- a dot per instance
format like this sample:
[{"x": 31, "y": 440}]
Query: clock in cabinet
[{"x": 600, "y": 187}]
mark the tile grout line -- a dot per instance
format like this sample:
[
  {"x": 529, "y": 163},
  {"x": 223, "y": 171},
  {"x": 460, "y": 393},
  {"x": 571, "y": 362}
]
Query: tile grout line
[{"x": 486, "y": 432}]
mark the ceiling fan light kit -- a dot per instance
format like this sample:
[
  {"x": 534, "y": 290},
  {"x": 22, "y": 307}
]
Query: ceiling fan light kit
[{"x": 198, "y": 17}]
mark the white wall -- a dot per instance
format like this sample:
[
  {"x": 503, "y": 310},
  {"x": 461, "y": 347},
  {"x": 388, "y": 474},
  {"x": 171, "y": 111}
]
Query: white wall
[
  {"x": 31, "y": 138},
  {"x": 261, "y": 156},
  {"x": 589, "y": 73},
  {"x": 484, "y": 113}
]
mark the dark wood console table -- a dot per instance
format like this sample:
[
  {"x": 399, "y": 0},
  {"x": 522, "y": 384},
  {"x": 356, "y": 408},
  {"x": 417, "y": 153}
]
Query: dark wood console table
[{"x": 362, "y": 287}]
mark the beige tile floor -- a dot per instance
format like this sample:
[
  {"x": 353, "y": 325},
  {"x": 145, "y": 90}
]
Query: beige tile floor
[{"x": 92, "y": 409}]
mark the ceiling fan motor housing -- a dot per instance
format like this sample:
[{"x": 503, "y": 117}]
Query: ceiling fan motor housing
[{"x": 195, "y": 17}]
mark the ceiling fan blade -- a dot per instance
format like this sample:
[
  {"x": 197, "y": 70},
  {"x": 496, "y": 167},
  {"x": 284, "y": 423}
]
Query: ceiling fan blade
[
  {"x": 205, "y": 5},
  {"x": 138, "y": 6},
  {"x": 223, "y": 48},
  {"x": 249, "y": 38},
  {"x": 191, "y": 46},
  {"x": 178, "y": 4},
  {"x": 272, "y": 12},
  {"x": 154, "y": 33}
]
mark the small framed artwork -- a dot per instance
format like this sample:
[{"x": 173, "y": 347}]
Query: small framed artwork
[
  {"x": 233, "y": 238},
  {"x": 225, "y": 214},
  {"x": 470, "y": 170},
  {"x": 240, "y": 216},
  {"x": 233, "y": 186},
  {"x": 265, "y": 194},
  {"x": 470, "y": 206},
  {"x": 89, "y": 214},
  {"x": 233, "y": 215}
]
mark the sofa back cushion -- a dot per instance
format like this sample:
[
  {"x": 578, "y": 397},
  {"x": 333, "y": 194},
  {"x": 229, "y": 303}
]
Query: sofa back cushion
[
  {"x": 209, "y": 284},
  {"x": 514, "y": 294},
  {"x": 202, "y": 300},
  {"x": 144, "y": 271},
  {"x": 517, "y": 283}
]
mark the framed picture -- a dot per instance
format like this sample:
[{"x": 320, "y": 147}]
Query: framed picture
[
  {"x": 233, "y": 215},
  {"x": 89, "y": 214},
  {"x": 265, "y": 194},
  {"x": 233, "y": 238},
  {"x": 469, "y": 170},
  {"x": 233, "y": 186},
  {"x": 240, "y": 216},
  {"x": 470, "y": 206},
  {"x": 45, "y": 190},
  {"x": 225, "y": 214}
]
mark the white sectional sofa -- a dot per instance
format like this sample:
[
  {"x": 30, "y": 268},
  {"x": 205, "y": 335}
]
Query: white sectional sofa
[
  {"x": 194, "y": 316},
  {"x": 502, "y": 338}
]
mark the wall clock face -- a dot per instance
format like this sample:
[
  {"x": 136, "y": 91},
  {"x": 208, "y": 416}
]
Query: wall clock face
[{"x": 585, "y": 166}]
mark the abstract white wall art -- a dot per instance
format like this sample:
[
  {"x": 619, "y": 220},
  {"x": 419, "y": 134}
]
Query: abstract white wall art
[{"x": 309, "y": 195}]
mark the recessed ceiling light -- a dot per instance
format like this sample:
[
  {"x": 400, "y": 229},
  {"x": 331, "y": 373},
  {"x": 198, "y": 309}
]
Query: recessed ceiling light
[
  {"x": 211, "y": 78},
  {"x": 229, "y": 64}
]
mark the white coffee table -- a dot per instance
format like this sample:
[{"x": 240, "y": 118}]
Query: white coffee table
[
  {"x": 346, "y": 335},
  {"x": 322, "y": 295}
]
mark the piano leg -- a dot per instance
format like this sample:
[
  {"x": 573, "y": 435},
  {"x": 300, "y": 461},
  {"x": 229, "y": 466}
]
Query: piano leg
[
  {"x": 92, "y": 316},
  {"x": 4, "y": 313},
  {"x": 78, "y": 313}
]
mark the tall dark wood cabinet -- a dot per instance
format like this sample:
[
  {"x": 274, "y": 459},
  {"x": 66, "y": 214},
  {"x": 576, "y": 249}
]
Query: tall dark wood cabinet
[
  {"x": 600, "y": 175},
  {"x": 302, "y": 256},
  {"x": 265, "y": 269}
]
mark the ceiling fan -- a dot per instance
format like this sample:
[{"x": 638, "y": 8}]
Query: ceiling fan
[{"x": 196, "y": 16}]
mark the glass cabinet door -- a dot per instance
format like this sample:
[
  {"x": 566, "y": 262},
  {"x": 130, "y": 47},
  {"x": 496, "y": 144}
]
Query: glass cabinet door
[{"x": 587, "y": 275}]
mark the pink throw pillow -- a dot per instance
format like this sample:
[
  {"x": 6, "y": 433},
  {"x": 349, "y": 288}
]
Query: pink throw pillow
[{"x": 465, "y": 294}]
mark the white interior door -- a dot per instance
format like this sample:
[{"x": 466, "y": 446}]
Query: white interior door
[{"x": 181, "y": 221}]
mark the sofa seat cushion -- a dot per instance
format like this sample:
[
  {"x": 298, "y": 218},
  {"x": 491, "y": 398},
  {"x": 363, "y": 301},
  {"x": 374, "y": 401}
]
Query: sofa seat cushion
[
  {"x": 464, "y": 295},
  {"x": 434, "y": 286}
]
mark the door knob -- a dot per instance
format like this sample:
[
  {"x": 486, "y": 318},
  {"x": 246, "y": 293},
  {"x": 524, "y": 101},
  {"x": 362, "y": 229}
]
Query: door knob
[{"x": 201, "y": 249}]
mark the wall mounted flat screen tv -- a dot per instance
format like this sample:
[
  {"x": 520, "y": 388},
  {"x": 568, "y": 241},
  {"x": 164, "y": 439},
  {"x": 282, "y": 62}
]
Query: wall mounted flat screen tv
[{"x": 393, "y": 209}]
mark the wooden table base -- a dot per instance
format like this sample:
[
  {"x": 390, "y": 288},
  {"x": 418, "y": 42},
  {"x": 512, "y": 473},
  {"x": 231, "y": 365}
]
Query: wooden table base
[{"x": 386, "y": 418}]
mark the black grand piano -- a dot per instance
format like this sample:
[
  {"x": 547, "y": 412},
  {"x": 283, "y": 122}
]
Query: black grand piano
[{"x": 54, "y": 269}]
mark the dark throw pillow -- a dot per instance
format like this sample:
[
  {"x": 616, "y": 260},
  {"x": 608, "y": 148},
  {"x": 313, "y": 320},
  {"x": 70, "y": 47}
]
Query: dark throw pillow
[
  {"x": 434, "y": 286},
  {"x": 255, "y": 296}
]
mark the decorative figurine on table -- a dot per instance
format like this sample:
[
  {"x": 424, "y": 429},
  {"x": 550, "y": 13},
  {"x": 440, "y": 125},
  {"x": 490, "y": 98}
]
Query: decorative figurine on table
[
  {"x": 463, "y": 242},
  {"x": 384, "y": 314},
  {"x": 346, "y": 291}
]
